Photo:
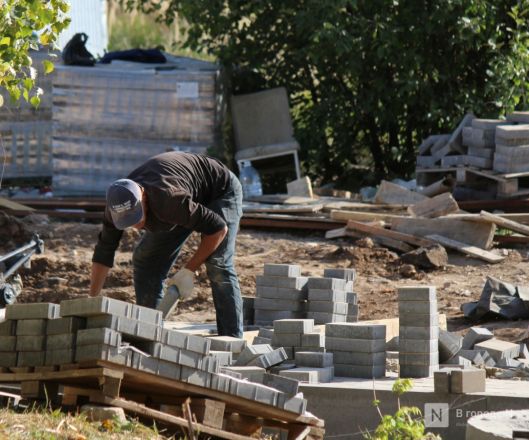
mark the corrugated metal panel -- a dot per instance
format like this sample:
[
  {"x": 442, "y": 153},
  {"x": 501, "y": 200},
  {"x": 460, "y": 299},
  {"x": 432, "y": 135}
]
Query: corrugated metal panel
[{"x": 88, "y": 16}]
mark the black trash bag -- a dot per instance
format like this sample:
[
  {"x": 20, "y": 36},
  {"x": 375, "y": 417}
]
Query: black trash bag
[
  {"x": 498, "y": 300},
  {"x": 75, "y": 52},
  {"x": 151, "y": 56}
]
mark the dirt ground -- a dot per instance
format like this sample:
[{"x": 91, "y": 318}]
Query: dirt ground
[{"x": 63, "y": 270}]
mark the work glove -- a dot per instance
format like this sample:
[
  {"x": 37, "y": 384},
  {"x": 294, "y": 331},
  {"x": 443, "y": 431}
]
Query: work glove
[{"x": 183, "y": 281}]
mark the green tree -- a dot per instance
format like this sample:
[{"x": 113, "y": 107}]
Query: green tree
[
  {"x": 24, "y": 24},
  {"x": 368, "y": 79}
]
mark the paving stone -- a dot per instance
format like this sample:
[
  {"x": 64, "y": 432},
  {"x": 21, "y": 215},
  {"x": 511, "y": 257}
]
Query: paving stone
[
  {"x": 512, "y": 134},
  {"x": 355, "y": 331},
  {"x": 230, "y": 373},
  {"x": 296, "y": 405},
  {"x": 300, "y": 326},
  {"x": 441, "y": 381},
  {"x": 324, "y": 318},
  {"x": 310, "y": 349},
  {"x": 99, "y": 335},
  {"x": 347, "y": 357},
  {"x": 353, "y": 309},
  {"x": 8, "y": 343},
  {"x": 362, "y": 371},
  {"x": 419, "y": 358},
  {"x": 178, "y": 339},
  {"x": 195, "y": 377},
  {"x": 345, "y": 274},
  {"x": 417, "y": 293},
  {"x": 31, "y": 358},
  {"x": 250, "y": 352},
  {"x": 281, "y": 383},
  {"x": 59, "y": 356},
  {"x": 282, "y": 270},
  {"x": 61, "y": 326},
  {"x": 252, "y": 373},
  {"x": 416, "y": 371},
  {"x": 423, "y": 307},
  {"x": 286, "y": 340},
  {"x": 351, "y": 318},
  {"x": 449, "y": 345},
  {"x": 255, "y": 391},
  {"x": 284, "y": 282},
  {"x": 326, "y": 283},
  {"x": 267, "y": 317},
  {"x": 221, "y": 382},
  {"x": 31, "y": 343},
  {"x": 486, "y": 124},
  {"x": 31, "y": 327},
  {"x": 266, "y": 333},
  {"x": 227, "y": 343},
  {"x": 97, "y": 413},
  {"x": 313, "y": 359},
  {"x": 131, "y": 329},
  {"x": 103, "y": 352},
  {"x": 99, "y": 305},
  {"x": 258, "y": 340},
  {"x": 281, "y": 367},
  {"x": 309, "y": 375},
  {"x": 419, "y": 320},
  {"x": 524, "y": 351},
  {"x": 61, "y": 342},
  {"x": 351, "y": 298},
  {"x": 458, "y": 360},
  {"x": 328, "y": 307},
  {"x": 327, "y": 295},
  {"x": 32, "y": 311},
  {"x": 270, "y": 359},
  {"x": 418, "y": 345},
  {"x": 411, "y": 332},
  {"x": 359, "y": 345},
  {"x": 224, "y": 358},
  {"x": 509, "y": 363},
  {"x": 467, "y": 381},
  {"x": 142, "y": 362},
  {"x": 475, "y": 335},
  {"x": 8, "y": 327},
  {"x": 146, "y": 314},
  {"x": 8, "y": 359},
  {"x": 499, "y": 349},
  {"x": 313, "y": 340},
  {"x": 289, "y": 351},
  {"x": 280, "y": 304},
  {"x": 279, "y": 293},
  {"x": 478, "y": 357}
]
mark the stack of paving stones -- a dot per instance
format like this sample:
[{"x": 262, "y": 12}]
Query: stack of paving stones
[
  {"x": 512, "y": 148},
  {"x": 293, "y": 335},
  {"x": 358, "y": 350},
  {"x": 311, "y": 367},
  {"x": 351, "y": 298},
  {"x": 280, "y": 294},
  {"x": 418, "y": 331},
  {"x": 480, "y": 139}
]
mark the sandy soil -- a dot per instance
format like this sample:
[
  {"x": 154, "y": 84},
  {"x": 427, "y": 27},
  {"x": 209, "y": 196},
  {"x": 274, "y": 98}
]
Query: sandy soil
[{"x": 63, "y": 270}]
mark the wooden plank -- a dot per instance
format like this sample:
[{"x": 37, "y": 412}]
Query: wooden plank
[
  {"x": 288, "y": 222},
  {"x": 206, "y": 411},
  {"x": 261, "y": 207},
  {"x": 62, "y": 375},
  {"x": 446, "y": 184},
  {"x": 392, "y": 193},
  {"x": 437, "y": 206},
  {"x": 10, "y": 204},
  {"x": 515, "y": 217},
  {"x": 300, "y": 188},
  {"x": 467, "y": 249},
  {"x": 474, "y": 233},
  {"x": 358, "y": 206},
  {"x": 345, "y": 216},
  {"x": 376, "y": 232},
  {"x": 283, "y": 199},
  {"x": 330, "y": 192},
  {"x": 505, "y": 223},
  {"x": 336, "y": 233}
]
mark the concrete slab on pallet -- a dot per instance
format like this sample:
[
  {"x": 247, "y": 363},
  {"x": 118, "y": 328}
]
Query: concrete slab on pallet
[
  {"x": 186, "y": 341},
  {"x": 8, "y": 327},
  {"x": 31, "y": 343},
  {"x": 31, "y": 327},
  {"x": 59, "y": 356},
  {"x": 104, "y": 352},
  {"x": 130, "y": 328},
  {"x": 282, "y": 270},
  {"x": 61, "y": 326},
  {"x": 99, "y": 335},
  {"x": 61, "y": 342},
  {"x": 8, "y": 359},
  {"x": 32, "y": 311},
  {"x": 31, "y": 358}
]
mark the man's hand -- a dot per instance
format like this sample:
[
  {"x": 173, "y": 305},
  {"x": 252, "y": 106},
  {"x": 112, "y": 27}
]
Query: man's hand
[{"x": 183, "y": 280}]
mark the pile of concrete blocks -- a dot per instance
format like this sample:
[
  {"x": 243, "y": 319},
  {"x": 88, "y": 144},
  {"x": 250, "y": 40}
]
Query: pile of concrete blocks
[
  {"x": 295, "y": 335},
  {"x": 459, "y": 381},
  {"x": 418, "y": 331},
  {"x": 358, "y": 350},
  {"x": 280, "y": 294},
  {"x": 331, "y": 298},
  {"x": 311, "y": 367},
  {"x": 512, "y": 147}
]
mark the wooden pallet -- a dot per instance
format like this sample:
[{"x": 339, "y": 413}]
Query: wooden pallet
[
  {"x": 427, "y": 176},
  {"x": 144, "y": 394},
  {"x": 510, "y": 185}
]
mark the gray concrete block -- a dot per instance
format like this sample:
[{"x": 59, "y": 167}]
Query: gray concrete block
[
  {"x": 31, "y": 343},
  {"x": 458, "y": 360},
  {"x": 61, "y": 342},
  {"x": 499, "y": 349},
  {"x": 368, "y": 359},
  {"x": 286, "y": 340},
  {"x": 475, "y": 335},
  {"x": 267, "y": 317},
  {"x": 355, "y": 331},
  {"x": 8, "y": 343},
  {"x": 178, "y": 339},
  {"x": 478, "y": 357},
  {"x": 221, "y": 382},
  {"x": 419, "y": 320},
  {"x": 284, "y": 384},
  {"x": 352, "y": 318},
  {"x": 328, "y": 307},
  {"x": 254, "y": 391},
  {"x": 31, "y": 358},
  {"x": 8, "y": 359},
  {"x": 296, "y": 405},
  {"x": 509, "y": 363},
  {"x": 353, "y": 310},
  {"x": 224, "y": 358},
  {"x": 271, "y": 359},
  {"x": 321, "y": 318},
  {"x": 310, "y": 375},
  {"x": 345, "y": 274},
  {"x": 265, "y": 292},
  {"x": 280, "y": 304},
  {"x": 351, "y": 298},
  {"x": 96, "y": 336},
  {"x": 359, "y": 345},
  {"x": 362, "y": 371},
  {"x": 32, "y": 311},
  {"x": 524, "y": 351},
  {"x": 416, "y": 371},
  {"x": 227, "y": 343},
  {"x": 31, "y": 327},
  {"x": 250, "y": 352},
  {"x": 327, "y": 295},
  {"x": 419, "y": 358},
  {"x": 289, "y": 351},
  {"x": 168, "y": 370},
  {"x": 60, "y": 356},
  {"x": 412, "y": 332},
  {"x": 417, "y": 293},
  {"x": 61, "y": 326},
  {"x": 449, "y": 345},
  {"x": 131, "y": 329},
  {"x": 281, "y": 367},
  {"x": 313, "y": 359},
  {"x": 146, "y": 314},
  {"x": 300, "y": 326},
  {"x": 142, "y": 362},
  {"x": 8, "y": 328},
  {"x": 284, "y": 282},
  {"x": 99, "y": 305},
  {"x": 313, "y": 340},
  {"x": 258, "y": 340},
  {"x": 326, "y": 283},
  {"x": 418, "y": 345},
  {"x": 252, "y": 373},
  {"x": 266, "y": 333},
  {"x": 424, "y": 307},
  {"x": 441, "y": 381},
  {"x": 195, "y": 377},
  {"x": 282, "y": 270},
  {"x": 104, "y": 352},
  {"x": 467, "y": 381},
  {"x": 311, "y": 349}
]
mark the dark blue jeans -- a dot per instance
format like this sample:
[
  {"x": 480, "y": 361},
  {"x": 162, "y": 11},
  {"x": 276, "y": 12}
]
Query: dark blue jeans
[{"x": 156, "y": 253}]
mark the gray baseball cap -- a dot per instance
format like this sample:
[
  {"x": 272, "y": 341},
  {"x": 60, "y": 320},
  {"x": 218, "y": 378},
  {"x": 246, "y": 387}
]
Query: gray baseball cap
[{"x": 124, "y": 203}]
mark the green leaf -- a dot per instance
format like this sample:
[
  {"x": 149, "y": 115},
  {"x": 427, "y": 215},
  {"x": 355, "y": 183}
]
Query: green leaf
[
  {"x": 35, "y": 101},
  {"x": 6, "y": 41},
  {"x": 48, "y": 66},
  {"x": 25, "y": 94}
]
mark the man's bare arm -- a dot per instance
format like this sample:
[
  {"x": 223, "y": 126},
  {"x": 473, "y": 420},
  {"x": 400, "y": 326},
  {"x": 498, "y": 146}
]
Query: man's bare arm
[
  {"x": 208, "y": 245},
  {"x": 97, "y": 278}
]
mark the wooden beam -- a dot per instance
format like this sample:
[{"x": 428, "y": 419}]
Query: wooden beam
[
  {"x": 336, "y": 233},
  {"x": 467, "y": 249},
  {"x": 10, "y": 204},
  {"x": 345, "y": 216},
  {"x": 505, "y": 223},
  {"x": 392, "y": 193},
  {"x": 437, "y": 206},
  {"x": 375, "y": 231}
]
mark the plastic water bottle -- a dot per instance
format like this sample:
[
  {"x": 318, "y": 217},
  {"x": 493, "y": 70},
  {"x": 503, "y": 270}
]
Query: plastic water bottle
[{"x": 250, "y": 180}]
